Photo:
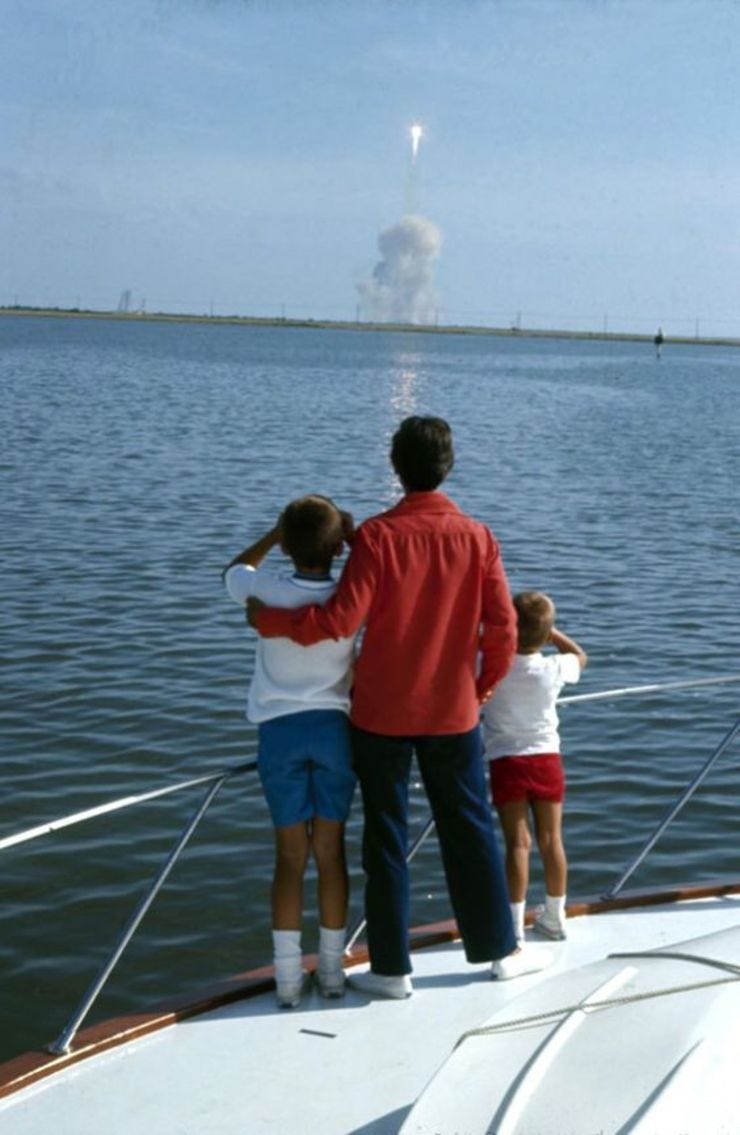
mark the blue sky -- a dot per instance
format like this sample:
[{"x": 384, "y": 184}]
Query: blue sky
[{"x": 580, "y": 158}]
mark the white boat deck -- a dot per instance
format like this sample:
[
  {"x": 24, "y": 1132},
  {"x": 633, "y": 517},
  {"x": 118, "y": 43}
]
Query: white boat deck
[{"x": 328, "y": 1067}]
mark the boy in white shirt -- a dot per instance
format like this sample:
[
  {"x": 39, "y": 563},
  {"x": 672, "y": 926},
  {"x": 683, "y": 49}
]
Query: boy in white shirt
[
  {"x": 520, "y": 728},
  {"x": 299, "y": 698}
]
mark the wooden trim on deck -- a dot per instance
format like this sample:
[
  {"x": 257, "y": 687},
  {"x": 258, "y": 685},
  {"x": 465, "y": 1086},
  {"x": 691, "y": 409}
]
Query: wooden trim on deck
[
  {"x": 18, "y": 1073},
  {"x": 650, "y": 898},
  {"x": 22, "y": 1071}
]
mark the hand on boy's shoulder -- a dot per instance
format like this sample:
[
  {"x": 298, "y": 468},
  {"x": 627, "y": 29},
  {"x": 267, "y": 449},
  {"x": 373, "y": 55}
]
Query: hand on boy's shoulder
[
  {"x": 252, "y": 610},
  {"x": 348, "y": 526}
]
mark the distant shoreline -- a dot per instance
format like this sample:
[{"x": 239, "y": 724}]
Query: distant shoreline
[{"x": 351, "y": 325}]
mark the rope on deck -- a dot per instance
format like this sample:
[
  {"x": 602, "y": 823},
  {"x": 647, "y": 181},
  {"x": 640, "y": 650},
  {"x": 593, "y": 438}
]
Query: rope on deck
[{"x": 552, "y": 1015}]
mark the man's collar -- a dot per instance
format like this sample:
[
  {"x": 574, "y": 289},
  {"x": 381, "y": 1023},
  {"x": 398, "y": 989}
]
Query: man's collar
[{"x": 432, "y": 501}]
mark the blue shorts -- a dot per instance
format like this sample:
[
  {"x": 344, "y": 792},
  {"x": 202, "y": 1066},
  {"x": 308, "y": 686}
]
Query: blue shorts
[{"x": 305, "y": 765}]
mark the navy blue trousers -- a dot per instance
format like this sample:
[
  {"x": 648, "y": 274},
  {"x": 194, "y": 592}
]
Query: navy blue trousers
[{"x": 451, "y": 768}]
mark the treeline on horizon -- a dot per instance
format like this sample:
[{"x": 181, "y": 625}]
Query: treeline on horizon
[{"x": 360, "y": 325}]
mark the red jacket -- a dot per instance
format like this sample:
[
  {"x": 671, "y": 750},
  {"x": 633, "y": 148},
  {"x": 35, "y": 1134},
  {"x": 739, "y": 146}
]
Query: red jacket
[{"x": 428, "y": 584}]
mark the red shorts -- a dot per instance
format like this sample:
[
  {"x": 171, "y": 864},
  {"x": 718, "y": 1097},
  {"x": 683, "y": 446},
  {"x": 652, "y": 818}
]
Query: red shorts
[{"x": 537, "y": 777}]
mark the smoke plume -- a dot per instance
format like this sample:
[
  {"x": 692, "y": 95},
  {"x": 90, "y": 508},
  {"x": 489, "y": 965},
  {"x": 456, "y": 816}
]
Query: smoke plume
[{"x": 401, "y": 289}]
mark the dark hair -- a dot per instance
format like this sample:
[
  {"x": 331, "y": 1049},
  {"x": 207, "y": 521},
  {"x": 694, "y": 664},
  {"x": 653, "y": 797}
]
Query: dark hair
[
  {"x": 535, "y": 614},
  {"x": 311, "y": 531},
  {"x": 422, "y": 453}
]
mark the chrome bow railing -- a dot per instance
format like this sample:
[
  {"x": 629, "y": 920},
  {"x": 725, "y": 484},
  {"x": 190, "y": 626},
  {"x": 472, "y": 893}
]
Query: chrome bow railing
[{"x": 215, "y": 781}]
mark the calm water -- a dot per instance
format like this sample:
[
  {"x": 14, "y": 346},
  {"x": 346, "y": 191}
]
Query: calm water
[{"x": 138, "y": 458}]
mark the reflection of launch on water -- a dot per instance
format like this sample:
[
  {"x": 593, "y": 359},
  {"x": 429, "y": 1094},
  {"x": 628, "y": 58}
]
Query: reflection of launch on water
[
  {"x": 406, "y": 382},
  {"x": 404, "y": 378}
]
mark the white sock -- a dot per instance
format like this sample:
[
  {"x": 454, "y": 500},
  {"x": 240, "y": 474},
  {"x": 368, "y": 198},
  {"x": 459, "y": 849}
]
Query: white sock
[
  {"x": 286, "y": 952},
  {"x": 517, "y": 917},
  {"x": 331, "y": 947},
  {"x": 555, "y": 907}
]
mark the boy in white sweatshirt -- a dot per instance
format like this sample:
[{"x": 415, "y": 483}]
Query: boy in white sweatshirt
[{"x": 299, "y": 699}]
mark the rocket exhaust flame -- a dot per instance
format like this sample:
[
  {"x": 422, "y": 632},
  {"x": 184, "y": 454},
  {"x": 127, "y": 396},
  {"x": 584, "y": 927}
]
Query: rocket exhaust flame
[{"x": 416, "y": 136}]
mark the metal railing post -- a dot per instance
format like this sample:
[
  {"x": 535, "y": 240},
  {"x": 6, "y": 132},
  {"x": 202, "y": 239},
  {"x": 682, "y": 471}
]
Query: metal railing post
[
  {"x": 64, "y": 1040},
  {"x": 672, "y": 812},
  {"x": 362, "y": 921},
  {"x": 118, "y": 805},
  {"x": 653, "y": 688}
]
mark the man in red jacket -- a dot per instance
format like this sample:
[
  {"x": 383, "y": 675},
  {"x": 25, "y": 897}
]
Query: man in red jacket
[{"x": 428, "y": 585}]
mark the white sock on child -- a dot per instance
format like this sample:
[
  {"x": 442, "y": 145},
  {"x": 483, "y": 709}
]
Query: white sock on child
[
  {"x": 330, "y": 974},
  {"x": 286, "y": 952},
  {"x": 517, "y": 917},
  {"x": 551, "y": 922},
  {"x": 555, "y": 907}
]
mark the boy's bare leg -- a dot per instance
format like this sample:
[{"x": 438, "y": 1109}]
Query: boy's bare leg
[
  {"x": 327, "y": 838},
  {"x": 292, "y": 845},
  {"x": 514, "y": 818},
  {"x": 548, "y": 819}
]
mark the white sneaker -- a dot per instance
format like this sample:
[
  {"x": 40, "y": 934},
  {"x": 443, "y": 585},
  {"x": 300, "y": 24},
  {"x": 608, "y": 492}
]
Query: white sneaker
[
  {"x": 549, "y": 927},
  {"x": 382, "y": 985},
  {"x": 530, "y": 959},
  {"x": 330, "y": 982},
  {"x": 289, "y": 993}
]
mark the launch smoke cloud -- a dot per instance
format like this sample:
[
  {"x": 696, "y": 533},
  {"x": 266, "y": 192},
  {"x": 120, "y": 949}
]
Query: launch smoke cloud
[{"x": 401, "y": 289}]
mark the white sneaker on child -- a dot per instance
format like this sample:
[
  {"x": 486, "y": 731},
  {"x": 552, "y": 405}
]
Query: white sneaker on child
[
  {"x": 529, "y": 959},
  {"x": 549, "y": 926},
  {"x": 330, "y": 982},
  {"x": 289, "y": 992}
]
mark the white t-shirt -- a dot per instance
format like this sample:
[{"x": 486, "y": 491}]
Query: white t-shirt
[
  {"x": 289, "y": 678},
  {"x": 521, "y": 719}
]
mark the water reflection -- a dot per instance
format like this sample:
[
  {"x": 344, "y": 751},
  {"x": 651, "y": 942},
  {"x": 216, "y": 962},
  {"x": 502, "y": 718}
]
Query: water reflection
[
  {"x": 405, "y": 383},
  {"x": 405, "y": 387}
]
